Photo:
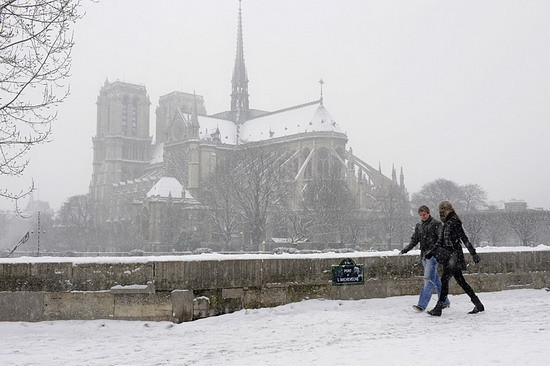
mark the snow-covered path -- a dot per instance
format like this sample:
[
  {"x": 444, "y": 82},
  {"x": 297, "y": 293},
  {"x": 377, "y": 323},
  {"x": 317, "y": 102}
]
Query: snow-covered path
[{"x": 515, "y": 330}]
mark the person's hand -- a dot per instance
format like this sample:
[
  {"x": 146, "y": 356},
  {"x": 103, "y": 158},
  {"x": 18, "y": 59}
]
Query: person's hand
[
  {"x": 402, "y": 251},
  {"x": 476, "y": 258}
]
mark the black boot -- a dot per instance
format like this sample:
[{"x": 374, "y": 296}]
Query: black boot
[
  {"x": 438, "y": 309},
  {"x": 478, "y": 306}
]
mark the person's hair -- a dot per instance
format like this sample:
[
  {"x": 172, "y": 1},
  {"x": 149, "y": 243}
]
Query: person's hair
[
  {"x": 424, "y": 208},
  {"x": 448, "y": 210}
]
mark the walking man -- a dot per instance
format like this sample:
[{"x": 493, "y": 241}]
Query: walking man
[{"x": 426, "y": 232}]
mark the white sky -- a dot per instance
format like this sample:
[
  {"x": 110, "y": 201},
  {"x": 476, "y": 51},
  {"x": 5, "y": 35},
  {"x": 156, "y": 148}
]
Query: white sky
[
  {"x": 514, "y": 330},
  {"x": 446, "y": 89}
]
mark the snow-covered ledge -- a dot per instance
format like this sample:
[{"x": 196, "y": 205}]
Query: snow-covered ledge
[{"x": 189, "y": 287}]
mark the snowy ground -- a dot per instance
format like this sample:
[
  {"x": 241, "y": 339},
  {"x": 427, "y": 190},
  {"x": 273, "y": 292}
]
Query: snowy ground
[{"x": 515, "y": 330}]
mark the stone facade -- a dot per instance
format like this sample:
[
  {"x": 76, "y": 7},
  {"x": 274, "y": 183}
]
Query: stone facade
[{"x": 190, "y": 144}]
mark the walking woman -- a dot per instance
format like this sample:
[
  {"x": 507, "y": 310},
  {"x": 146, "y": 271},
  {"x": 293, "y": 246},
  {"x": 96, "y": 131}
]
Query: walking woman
[{"x": 448, "y": 252}]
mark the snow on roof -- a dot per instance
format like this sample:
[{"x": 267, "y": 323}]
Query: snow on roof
[
  {"x": 308, "y": 118},
  {"x": 209, "y": 125},
  {"x": 158, "y": 154},
  {"x": 188, "y": 197},
  {"x": 165, "y": 187}
]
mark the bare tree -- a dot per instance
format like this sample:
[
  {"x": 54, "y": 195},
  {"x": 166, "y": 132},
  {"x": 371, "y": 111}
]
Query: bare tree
[
  {"x": 355, "y": 227},
  {"x": 74, "y": 225},
  {"x": 76, "y": 212},
  {"x": 477, "y": 223},
  {"x": 473, "y": 196},
  {"x": 330, "y": 203},
  {"x": 394, "y": 210},
  {"x": 221, "y": 202},
  {"x": 468, "y": 197},
  {"x": 301, "y": 225},
  {"x": 526, "y": 224},
  {"x": 35, "y": 57},
  {"x": 259, "y": 186},
  {"x": 439, "y": 190},
  {"x": 170, "y": 222},
  {"x": 296, "y": 224}
]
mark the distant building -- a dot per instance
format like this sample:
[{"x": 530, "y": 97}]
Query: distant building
[
  {"x": 515, "y": 206},
  {"x": 134, "y": 181},
  {"x": 35, "y": 206}
]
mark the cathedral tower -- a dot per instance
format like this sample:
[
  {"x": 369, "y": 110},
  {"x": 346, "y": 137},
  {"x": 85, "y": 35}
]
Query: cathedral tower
[
  {"x": 122, "y": 145},
  {"x": 168, "y": 106}
]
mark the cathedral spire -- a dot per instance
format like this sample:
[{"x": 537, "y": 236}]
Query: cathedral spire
[
  {"x": 402, "y": 179},
  {"x": 239, "y": 81},
  {"x": 393, "y": 174},
  {"x": 321, "y": 82}
]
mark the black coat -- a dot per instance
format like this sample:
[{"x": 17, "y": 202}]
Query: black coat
[
  {"x": 427, "y": 234},
  {"x": 452, "y": 236}
]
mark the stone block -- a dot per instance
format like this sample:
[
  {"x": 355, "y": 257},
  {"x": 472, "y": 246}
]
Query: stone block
[
  {"x": 21, "y": 306},
  {"x": 78, "y": 305},
  {"x": 182, "y": 305},
  {"x": 156, "y": 307},
  {"x": 45, "y": 277},
  {"x": 103, "y": 276},
  {"x": 201, "y": 307},
  {"x": 273, "y": 296},
  {"x": 149, "y": 288},
  {"x": 298, "y": 293},
  {"x": 252, "y": 297},
  {"x": 205, "y": 275},
  {"x": 232, "y": 293}
]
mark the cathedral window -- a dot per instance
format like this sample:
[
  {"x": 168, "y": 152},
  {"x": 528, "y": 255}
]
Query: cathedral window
[
  {"x": 323, "y": 163},
  {"x": 108, "y": 118},
  {"x": 125, "y": 115},
  {"x": 134, "y": 117}
]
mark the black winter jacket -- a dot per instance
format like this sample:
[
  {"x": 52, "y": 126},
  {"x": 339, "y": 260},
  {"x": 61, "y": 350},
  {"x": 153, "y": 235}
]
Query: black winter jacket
[
  {"x": 427, "y": 233},
  {"x": 452, "y": 236}
]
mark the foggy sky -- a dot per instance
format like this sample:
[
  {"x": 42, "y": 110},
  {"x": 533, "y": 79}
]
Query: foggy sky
[{"x": 446, "y": 89}]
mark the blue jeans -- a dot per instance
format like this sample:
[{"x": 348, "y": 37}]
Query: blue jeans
[{"x": 431, "y": 281}]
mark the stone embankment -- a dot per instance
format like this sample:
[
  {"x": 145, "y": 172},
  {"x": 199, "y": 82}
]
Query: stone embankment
[{"x": 190, "y": 288}]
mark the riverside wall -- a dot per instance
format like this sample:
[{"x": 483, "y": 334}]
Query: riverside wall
[{"x": 188, "y": 289}]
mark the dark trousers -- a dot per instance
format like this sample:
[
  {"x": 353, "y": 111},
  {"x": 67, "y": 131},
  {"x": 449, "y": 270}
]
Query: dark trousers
[{"x": 457, "y": 274}]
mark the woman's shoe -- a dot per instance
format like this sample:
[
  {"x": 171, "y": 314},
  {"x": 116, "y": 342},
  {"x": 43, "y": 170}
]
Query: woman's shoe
[
  {"x": 437, "y": 310},
  {"x": 478, "y": 306}
]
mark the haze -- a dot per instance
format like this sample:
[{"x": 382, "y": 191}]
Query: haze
[{"x": 446, "y": 89}]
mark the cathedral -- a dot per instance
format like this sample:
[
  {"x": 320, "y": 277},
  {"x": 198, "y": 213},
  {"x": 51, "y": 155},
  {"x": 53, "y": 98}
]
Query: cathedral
[{"x": 135, "y": 180}]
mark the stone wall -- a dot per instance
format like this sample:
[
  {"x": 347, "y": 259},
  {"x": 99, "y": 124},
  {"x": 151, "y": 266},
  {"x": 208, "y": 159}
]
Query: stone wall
[{"x": 190, "y": 289}]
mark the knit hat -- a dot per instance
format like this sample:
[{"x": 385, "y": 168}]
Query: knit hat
[{"x": 445, "y": 208}]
